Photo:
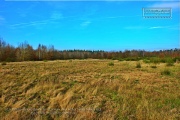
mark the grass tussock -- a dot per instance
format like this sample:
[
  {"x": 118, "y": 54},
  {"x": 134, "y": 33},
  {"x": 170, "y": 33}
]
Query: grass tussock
[
  {"x": 153, "y": 66},
  {"x": 3, "y": 63},
  {"x": 138, "y": 65},
  {"x": 89, "y": 89}
]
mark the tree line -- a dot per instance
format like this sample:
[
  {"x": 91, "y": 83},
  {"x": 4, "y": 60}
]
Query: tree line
[{"x": 25, "y": 52}]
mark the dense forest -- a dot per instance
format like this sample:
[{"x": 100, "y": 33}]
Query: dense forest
[{"x": 25, "y": 52}]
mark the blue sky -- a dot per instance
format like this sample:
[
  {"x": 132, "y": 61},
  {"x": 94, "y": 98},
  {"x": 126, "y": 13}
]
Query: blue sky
[{"x": 91, "y": 25}]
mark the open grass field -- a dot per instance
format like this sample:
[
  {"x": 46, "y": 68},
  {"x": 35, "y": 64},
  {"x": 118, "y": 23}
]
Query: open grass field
[{"x": 89, "y": 89}]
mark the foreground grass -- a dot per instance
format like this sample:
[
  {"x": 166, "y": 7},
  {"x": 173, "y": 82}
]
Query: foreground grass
[{"x": 89, "y": 89}]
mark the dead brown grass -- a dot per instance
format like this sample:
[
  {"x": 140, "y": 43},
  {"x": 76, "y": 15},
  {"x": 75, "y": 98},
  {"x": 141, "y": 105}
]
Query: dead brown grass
[{"x": 88, "y": 89}]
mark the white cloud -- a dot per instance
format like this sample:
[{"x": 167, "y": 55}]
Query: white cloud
[
  {"x": 85, "y": 24},
  {"x": 56, "y": 15},
  {"x": 53, "y": 19},
  {"x": 34, "y": 23},
  {"x": 134, "y": 27},
  {"x": 173, "y": 5},
  {"x": 172, "y": 27},
  {"x": 123, "y": 16},
  {"x": 25, "y": 12},
  {"x": 156, "y": 27},
  {"x": 175, "y": 27},
  {"x": 2, "y": 20}
]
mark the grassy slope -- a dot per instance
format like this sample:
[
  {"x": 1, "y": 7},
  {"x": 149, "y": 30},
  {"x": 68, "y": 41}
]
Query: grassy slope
[{"x": 88, "y": 89}]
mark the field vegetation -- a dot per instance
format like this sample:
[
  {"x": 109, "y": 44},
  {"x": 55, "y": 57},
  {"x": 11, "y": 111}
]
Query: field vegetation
[{"x": 120, "y": 89}]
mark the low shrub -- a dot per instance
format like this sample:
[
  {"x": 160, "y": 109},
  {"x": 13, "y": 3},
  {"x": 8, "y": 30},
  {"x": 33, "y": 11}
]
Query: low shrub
[
  {"x": 120, "y": 59},
  {"x": 133, "y": 59},
  {"x": 176, "y": 59},
  {"x": 146, "y": 61},
  {"x": 127, "y": 59},
  {"x": 166, "y": 60},
  {"x": 155, "y": 60},
  {"x": 169, "y": 60},
  {"x": 163, "y": 60},
  {"x": 114, "y": 58}
]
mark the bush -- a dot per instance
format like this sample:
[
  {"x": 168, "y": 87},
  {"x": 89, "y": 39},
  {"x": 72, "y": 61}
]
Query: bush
[
  {"x": 146, "y": 61},
  {"x": 111, "y": 64},
  {"x": 127, "y": 59},
  {"x": 120, "y": 59},
  {"x": 169, "y": 60},
  {"x": 176, "y": 59},
  {"x": 154, "y": 60},
  {"x": 138, "y": 65},
  {"x": 166, "y": 72},
  {"x": 133, "y": 59},
  {"x": 162, "y": 60},
  {"x": 114, "y": 58},
  {"x": 3, "y": 63}
]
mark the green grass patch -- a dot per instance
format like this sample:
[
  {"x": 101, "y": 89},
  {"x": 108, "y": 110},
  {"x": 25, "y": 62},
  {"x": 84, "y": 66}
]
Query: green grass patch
[
  {"x": 111, "y": 64},
  {"x": 113, "y": 95},
  {"x": 174, "y": 102}
]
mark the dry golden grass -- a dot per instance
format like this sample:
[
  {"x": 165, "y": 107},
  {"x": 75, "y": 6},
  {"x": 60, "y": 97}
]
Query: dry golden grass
[{"x": 89, "y": 89}]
